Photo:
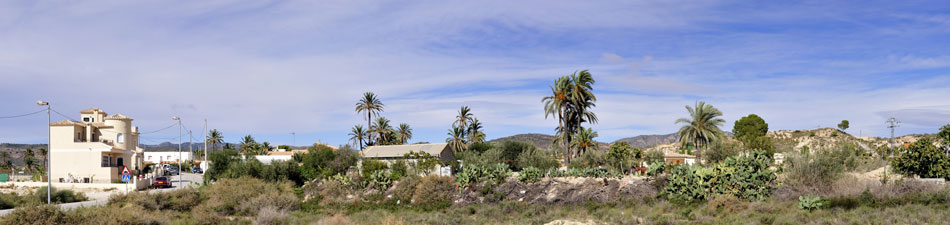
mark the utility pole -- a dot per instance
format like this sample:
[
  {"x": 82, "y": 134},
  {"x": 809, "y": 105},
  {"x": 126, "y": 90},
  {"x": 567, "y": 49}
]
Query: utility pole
[
  {"x": 49, "y": 152},
  {"x": 892, "y": 123},
  {"x": 179, "y": 150},
  {"x": 205, "y": 158},
  {"x": 191, "y": 145},
  {"x": 294, "y": 134}
]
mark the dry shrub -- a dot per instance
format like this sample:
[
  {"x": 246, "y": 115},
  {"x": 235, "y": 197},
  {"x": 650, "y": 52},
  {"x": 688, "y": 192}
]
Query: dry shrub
[
  {"x": 405, "y": 188},
  {"x": 726, "y": 204},
  {"x": 111, "y": 215},
  {"x": 278, "y": 201},
  {"x": 330, "y": 192},
  {"x": 850, "y": 185},
  {"x": 337, "y": 219},
  {"x": 434, "y": 192},
  {"x": 37, "y": 215},
  {"x": 271, "y": 215},
  {"x": 206, "y": 214},
  {"x": 226, "y": 196},
  {"x": 179, "y": 200}
]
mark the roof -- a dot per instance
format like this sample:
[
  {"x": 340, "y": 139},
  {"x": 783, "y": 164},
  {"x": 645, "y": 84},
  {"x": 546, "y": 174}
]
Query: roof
[
  {"x": 91, "y": 110},
  {"x": 118, "y": 117},
  {"x": 386, "y": 151},
  {"x": 67, "y": 123},
  {"x": 677, "y": 155},
  {"x": 288, "y": 152}
]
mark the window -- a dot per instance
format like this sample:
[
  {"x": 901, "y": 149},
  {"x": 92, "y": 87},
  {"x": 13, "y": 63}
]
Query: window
[
  {"x": 78, "y": 136},
  {"x": 119, "y": 162},
  {"x": 86, "y": 119},
  {"x": 106, "y": 161},
  {"x": 120, "y": 138}
]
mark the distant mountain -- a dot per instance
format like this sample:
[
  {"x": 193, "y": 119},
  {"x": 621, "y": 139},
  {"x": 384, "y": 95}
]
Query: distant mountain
[
  {"x": 542, "y": 141},
  {"x": 646, "y": 141}
]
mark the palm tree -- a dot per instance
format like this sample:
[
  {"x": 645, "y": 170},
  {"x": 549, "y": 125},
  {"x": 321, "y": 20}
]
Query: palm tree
[
  {"x": 701, "y": 128},
  {"x": 247, "y": 144},
  {"x": 44, "y": 153},
  {"x": 6, "y": 164},
  {"x": 555, "y": 105},
  {"x": 404, "y": 132},
  {"x": 571, "y": 98},
  {"x": 383, "y": 130},
  {"x": 29, "y": 160},
  {"x": 461, "y": 120},
  {"x": 456, "y": 138},
  {"x": 357, "y": 135},
  {"x": 371, "y": 105},
  {"x": 266, "y": 146},
  {"x": 475, "y": 134},
  {"x": 584, "y": 140},
  {"x": 214, "y": 138}
]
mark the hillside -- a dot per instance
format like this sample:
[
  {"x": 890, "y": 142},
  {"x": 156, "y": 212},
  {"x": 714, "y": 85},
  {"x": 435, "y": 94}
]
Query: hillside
[
  {"x": 646, "y": 141},
  {"x": 542, "y": 141}
]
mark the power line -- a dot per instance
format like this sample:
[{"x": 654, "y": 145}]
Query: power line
[
  {"x": 169, "y": 126},
  {"x": 8, "y": 117},
  {"x": 67, "y": 117}
]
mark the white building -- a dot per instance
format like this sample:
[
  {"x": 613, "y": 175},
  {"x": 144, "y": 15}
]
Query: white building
[
  {"x": 94, "y": 149},
  {"x": 167, "y": 157}
]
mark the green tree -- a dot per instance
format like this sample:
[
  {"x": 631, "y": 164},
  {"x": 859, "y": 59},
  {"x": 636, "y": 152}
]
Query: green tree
[
  {"x": 404, "y": 132},
  {"x": 423, "y": 162},
  {"x": 571, "y": 100},
  {"x": 750, "y": 127},
  {"x": 701, "y": 128},
  {"x": 475, "y": 134},
  {"x": 584, "y": 140},
  {"x": 923, "y": 159},
  {"x": 619, "y": 156},
  {"x": 214, "y": 138},
  {"x": 248, "y": 144},
  {"x": 29, "y": 160},
  {"x": 844, "y": 125},
  {"x": 556, "y": 105},
  {"x": 6, "y": 164},
  {"x": 944, "y": 135},
  {"x": 371, "y": 105},
  {"x": 463, "y": 118},
  {"x": 358, "y": 135},
  {"x": 384, "y": 132},
  {"x": 456, "y": 138}
]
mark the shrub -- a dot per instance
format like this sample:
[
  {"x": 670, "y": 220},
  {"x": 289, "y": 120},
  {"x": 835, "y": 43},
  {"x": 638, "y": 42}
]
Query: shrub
[
  {"x": 227, "y": 196},
  {"x": 321, "y": 161},
  {"x": 272, "y": 215},
  {"x": 746, "y": 177},
  {"x": 277, "y": 201},
  {"x": 590, "y": 159},
  {"x": 380, "y": 180},
  {"x": 721, "y": 150},
  {"x": 530, "y": 175},
  {"x": 811, "y": 203},
  {"x": 38, "y": 215},
  {"x": 511, "y": 150},
  {"x": 923, "y": 159},
  {"x": 538, "y": 159},
  {"x": 654, "y": 156},
  {"x": 655, "y": 169},
  {"x": 812, "y": 169},
  {"x": 434, "y": 192},
  {"x": 274, "y": 172},
  {"x": 619, "y": 156},
  {"x": 372, "y": 165},
  {"x": 61, "y": 196},
  {"x": 472, "y": 174},
  {"x": 405, "y": 188},
  {"x": 586, "y": 172},
  {"x": 399, "y": 169}
]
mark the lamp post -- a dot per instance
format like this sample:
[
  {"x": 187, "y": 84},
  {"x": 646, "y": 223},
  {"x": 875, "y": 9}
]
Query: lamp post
[
  {"x": 49, "y": 150},
  {"x": 179, "y": 150}
]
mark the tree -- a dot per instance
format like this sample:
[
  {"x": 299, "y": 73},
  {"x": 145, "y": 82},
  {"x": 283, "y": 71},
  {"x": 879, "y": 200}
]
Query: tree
[
  {"x": 462, "y": 119},
  {"x": 29, "y": 160},
  {"x": 247, "y": 144},
  {"x": 214, "y": 138},
  {"x": 619, "y": 155},
  {"x": 555, "y": 105},
  {"x": 384, "y": 132},
  {"x": 701, "y": 128},
  {"x": 405, "y": 133},
  {"x": 45, "y": 154},
  {"x": 357, "y": 135},
  {"x": 371, "y": 105},
  {"x": 750, "y": 127},
  {"x": 475, "y": 134},
  {"x": 923, "y": 159},
  {"x": 266, "y": 146},
  {"x": 843, "y": 125},
  {"x": 456, "y": 138},
  {"x": 584, "y": 140},
  {"x": 572, "y": 97},
  {"x": 944, "y": 135},
  {"x": 6, "y": 164}
]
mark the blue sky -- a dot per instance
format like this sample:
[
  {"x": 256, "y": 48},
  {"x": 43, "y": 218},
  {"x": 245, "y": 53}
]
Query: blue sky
[{"x": 269, "y": 68}]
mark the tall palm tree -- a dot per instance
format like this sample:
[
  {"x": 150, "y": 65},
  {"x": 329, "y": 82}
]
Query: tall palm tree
[
  {"x": 371, "y": 105},
  {"x": 584, "y": 141},
  {"x": 404, "y": 132},
  {"x": 555, "y": 105},
  {"x": 266, "y": 146},
  {"x": 701, "y": 128},
  {"x": 214, "y": 138},
  {"x": 29, "y": 160},
  {"x": 383, "y": 130},
  {"x": 475, "y": 134},
  {"x": 44, "y": 153},
  {"x": 6, "y": 164},
  {"x": 247, "y": 144},
  {"x": 357, "y": 135},
  {"x": 456, "y": 138},
  {"x": 461, "y": 120}
]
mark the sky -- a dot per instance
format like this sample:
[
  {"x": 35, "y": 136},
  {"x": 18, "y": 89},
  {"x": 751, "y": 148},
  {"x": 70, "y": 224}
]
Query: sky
[{"x": 272, "y": 68}]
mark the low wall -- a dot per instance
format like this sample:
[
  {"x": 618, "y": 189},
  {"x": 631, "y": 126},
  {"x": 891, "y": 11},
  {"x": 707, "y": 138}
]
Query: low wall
[{"x": 138, "y": 184}]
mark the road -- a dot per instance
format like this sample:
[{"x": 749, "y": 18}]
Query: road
[{"x": 187, "y": 179}]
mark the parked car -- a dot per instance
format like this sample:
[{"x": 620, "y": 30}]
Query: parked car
[
  {"x": 162, "y": 182},
  {"x": 196, "y": 170},
  {"x": 171, "y": 170}
]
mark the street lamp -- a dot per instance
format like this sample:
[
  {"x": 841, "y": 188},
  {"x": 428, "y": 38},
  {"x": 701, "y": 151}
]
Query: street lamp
[
  {"x": 49, "y": 179},
  {"x": 179, "y": 150}
]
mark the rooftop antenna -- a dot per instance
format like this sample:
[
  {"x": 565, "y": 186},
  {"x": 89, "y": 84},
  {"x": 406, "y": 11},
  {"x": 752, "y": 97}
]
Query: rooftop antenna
[{"x": 892, "y": 123}]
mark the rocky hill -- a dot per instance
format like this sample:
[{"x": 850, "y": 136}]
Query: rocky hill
[
  {"x": 542, "y": 141},
  {"x": 646, "y": 141}
]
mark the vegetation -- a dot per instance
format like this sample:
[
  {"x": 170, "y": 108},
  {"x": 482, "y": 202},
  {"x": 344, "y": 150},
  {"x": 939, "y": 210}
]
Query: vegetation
[
  {"x": 844, "y": 125},
  {"x": 358, "y": 135},
  {"x": 702, "y": 127},
  {"x": 570, "y": 102},
  {"x": 371, "y": 105},
  {"x": 746, "y": 177},
  {"x": 619, "y": 156},
  {"x": 923, "y": 159}
]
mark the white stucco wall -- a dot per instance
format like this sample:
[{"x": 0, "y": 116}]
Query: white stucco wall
[{"x": 158, "y": 157}]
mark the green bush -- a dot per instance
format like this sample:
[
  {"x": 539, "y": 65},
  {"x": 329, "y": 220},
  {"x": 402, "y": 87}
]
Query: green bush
[
  {"x": 380, "y": 180},
  {"x": 655, "y": 169},
  {"x": 536, "y": 158},
  {"x": 511, "y": 150},
  {"x": 923, "y": 159},
  {"x": 721, "y": 150},
  {"x": 590, "y": 159},
  {"x": 811, "y": 203},
  {"x": 399, "y": 169},
  {"x": 654, "y": 156},
  {"x": 405, "y": 188},
  {"x": 434, "y": 192},
  {"x": 746, "y": 177},
  {"x": 181, "y": 200},
  {"x": 530, "y": 175},
  {"x": 808, "y": 169},
  {"x": 227, "y": 196},
  {"x": 620, "y": 156},
  {"x": 473, "y": 174},
  {"x": 37, "y": 215},
  {"x": 60, "y": 196},
  {"x": 586, "y": 172},
  {"x": 372, "y": 165},
  {"x": 274, "y": 172}
]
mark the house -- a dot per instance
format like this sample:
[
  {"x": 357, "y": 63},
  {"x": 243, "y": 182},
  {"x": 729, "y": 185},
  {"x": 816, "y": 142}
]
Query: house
[
  {"x": 168, "y": 156},
  {"x": 673, "y": 158},
  {"x": 284, "y": 155},
  {"x": 391, "y": 153},
  {"x": 94, "y": 149}
]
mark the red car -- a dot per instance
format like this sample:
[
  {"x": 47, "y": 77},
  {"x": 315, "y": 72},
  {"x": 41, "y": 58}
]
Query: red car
[{"x": 162, "y": 182}]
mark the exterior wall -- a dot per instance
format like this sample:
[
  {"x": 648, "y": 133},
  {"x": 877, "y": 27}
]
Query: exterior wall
[
  {"x": 120, "y": 126},
  {"x": 159, "y": 157},
  {"x": 80, "y": 164},
  {"x": 267, "y": 159}
]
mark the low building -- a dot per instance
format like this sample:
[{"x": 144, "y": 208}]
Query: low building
[
  {"x": 391, "y": 153},
  {"x": 94, "y": 149},
  {"x": 167, "y": 157},
  {"x": 279, "y": 156},
  {"x": 677, "y": 158}
]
